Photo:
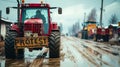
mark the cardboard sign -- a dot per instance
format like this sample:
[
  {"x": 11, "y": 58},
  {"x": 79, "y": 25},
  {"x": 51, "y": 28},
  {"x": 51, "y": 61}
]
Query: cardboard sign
[{"x": 31, "y": 42}]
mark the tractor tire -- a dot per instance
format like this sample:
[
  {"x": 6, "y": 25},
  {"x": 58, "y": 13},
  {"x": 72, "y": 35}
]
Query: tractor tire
[
  {"x": 107, "y": 38},
  {"x": 54, "y": 44},
  {"x": 9, "y": 47},
  {"x": 103, "y": 37},
  {"x": 86, "y": 34},
  {"x": 95, "y": 37},
  {"x": 82, "y": 34}
]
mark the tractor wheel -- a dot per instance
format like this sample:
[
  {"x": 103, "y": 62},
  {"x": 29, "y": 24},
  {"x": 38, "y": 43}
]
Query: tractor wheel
[
  {"x": 106, "y": 38},
  {"x": 86, "y": 34},
  {"x": 96, "y": 37},
  {"x": 9, "y": 46},
  {"x": 103, "y": 37},
  {"x": 54, "y": 44},
  {"x": 83, "y": 34}
]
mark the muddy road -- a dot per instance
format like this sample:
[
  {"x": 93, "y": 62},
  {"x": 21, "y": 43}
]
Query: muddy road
[{"x": 74, "y": 52}]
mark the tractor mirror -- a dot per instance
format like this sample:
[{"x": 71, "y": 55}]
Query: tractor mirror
[
  {"x": 7, "y": 10},
  {"x": 59, "y": 10}
]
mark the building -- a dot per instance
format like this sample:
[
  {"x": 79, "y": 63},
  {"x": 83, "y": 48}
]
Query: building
[{"x": 4, "y": 27}]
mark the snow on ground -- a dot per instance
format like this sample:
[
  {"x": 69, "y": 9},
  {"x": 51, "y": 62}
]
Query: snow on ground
[
  {"x": 31, "y": 56},
  {"x": 96, "y": 54},
  {"x": 72, "y": 57},
  {"x": 75, "y": 52}
]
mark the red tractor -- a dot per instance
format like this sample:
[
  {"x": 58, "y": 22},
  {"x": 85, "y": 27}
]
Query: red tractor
[
  {"x": 104, "y": 34},
  {"x": 34, "y": 30},
  {"x": 118, "y": 31}
]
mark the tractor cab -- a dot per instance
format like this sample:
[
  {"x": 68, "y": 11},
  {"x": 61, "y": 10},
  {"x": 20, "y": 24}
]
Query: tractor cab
[
  {"x": 36, "y": 18},
  {"x": 32, "y": 12}
]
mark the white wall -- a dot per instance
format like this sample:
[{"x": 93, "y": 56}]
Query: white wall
[{"x": 3, "y": 30}]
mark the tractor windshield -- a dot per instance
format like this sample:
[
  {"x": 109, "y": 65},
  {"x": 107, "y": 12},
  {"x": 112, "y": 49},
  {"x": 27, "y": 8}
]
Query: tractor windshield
[
  {"x": 41, "y": 13},
  {"x": 86, "y": 23}
]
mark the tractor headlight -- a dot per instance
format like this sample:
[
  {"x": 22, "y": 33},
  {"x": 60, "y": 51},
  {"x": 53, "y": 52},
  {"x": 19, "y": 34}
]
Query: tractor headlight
[
  {"x": 35, "y": 34},
  {"x": 28, "y": 33},
  {"x": 85, "y": 28}
]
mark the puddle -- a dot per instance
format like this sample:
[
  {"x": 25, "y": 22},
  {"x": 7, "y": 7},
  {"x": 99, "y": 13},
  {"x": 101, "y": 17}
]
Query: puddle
[
  {"x": 28, "y": 59},
  {"x": 2, "y": 62},
  {"x": 114, "y": 62}
]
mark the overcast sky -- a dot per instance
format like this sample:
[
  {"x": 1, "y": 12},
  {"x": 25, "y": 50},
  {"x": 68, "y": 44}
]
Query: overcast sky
[{"x": 73, "y": 10}]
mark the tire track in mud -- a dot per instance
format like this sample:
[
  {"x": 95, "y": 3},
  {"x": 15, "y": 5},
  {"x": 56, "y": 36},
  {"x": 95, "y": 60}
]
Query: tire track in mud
[
  {"x": 66, "y": 52},
  {"x": 69, "y": 45},
  {"x": 84, "y": 55},
  {"x": 87, "y": 53},
  {"x": 37, "y": 62},
  {"x": 27, "y": 61},
  {"x": 51, "y": 62},
  {"x": 87, "y": 57},
  {"x": 22, "y": 63},
  {"x": 91, "y": 53},
  {"x": 14, "y": 63}
]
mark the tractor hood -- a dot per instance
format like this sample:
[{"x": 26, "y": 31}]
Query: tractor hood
[
  {"x": 33, "y": 20},
  {"x": 34, "y": 25}
]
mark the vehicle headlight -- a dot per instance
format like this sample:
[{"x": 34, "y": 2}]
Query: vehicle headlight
[
  {"x": 28, "y": 33},
  {"x": 85, "y": 28},
  {"x": 35, "y": 34}
]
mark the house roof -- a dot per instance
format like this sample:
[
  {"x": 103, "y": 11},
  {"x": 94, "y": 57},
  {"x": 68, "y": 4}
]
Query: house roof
[{"x": 5, "y": 21}]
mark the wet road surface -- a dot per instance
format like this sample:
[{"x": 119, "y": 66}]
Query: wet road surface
[{"x": 74, "y": 53}]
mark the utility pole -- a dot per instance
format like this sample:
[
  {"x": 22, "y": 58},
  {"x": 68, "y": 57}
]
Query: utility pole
[
  {"x": 101, "y": 13},
  {"x": 0, "y": 14},
  {"x": 18, "y": 9},
  {"x": 101, "y": 21}
]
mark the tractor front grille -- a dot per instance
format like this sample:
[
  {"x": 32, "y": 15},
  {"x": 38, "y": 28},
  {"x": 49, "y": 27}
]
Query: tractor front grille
[{"x": 35, "y": 28}]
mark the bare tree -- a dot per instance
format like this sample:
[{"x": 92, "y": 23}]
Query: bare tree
[
  {"x": 113, "y": 19},
  {"x": 61, "y": 27},
  {"x": 77, "y": 27},
  {"x": 74, "y": 29},
  {"x": 92, "y": 16},
  {"x": 70, "y": 30}
]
